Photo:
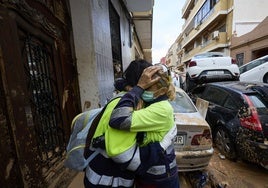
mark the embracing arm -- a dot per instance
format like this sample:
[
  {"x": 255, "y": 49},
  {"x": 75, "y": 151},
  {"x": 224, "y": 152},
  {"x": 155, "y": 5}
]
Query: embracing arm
[
  {"x": 158, "y": 117},
  {"x": 122, "y": 113}
]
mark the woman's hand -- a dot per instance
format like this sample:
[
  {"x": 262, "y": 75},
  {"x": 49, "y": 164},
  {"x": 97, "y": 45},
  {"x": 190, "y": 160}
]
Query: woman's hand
[{"x": 147, "y": 78}]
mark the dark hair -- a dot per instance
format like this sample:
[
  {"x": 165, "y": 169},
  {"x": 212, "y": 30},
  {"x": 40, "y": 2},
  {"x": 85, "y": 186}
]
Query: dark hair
[
  {"x": 120, "y": 84},
  {"x": 133, "y": 72}
]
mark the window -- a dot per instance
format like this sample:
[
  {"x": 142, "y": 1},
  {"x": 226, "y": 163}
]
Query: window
[
  {"x": 203, "y": 13},
  {"x": 257, "y": 102},
  {"x": 240, "y": 59},
  {"x": 43, "y": 96},
  {"x": 252, "y": 64},
  {"x": 215, "y": 95},
  {"x": 230, "y": 103},
  {"x": 182, "y": 104}
]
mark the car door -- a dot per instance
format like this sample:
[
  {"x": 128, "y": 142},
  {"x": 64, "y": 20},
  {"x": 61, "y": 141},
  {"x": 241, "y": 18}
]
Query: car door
[
  {"x": 216, "y": 98},
  {"x": 222, "y": 108},
  {"x": 229, "y": 111},
  {"x": 255, "y": 70}
]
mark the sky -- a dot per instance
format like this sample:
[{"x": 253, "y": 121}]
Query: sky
[{"x": 167, "y": 23}]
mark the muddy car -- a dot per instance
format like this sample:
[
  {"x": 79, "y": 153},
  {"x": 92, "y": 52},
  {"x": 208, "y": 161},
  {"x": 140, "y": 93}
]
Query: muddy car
[
  {"x": 193, "y": 143},
  {"x": 238, "y": 116}
]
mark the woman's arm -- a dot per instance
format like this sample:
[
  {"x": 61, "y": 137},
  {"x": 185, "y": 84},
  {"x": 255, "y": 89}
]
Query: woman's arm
[{"x": 157, "y": 117}]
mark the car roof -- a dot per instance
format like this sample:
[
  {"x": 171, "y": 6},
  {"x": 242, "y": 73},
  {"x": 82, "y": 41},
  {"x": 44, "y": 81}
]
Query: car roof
[{"x": 238, "y": 86}]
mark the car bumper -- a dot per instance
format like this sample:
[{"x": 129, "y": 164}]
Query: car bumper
[
  {"x": 214, "y": 78},
  {"x": 255, "y": 152},
  {"x": 193, "y": 160}
]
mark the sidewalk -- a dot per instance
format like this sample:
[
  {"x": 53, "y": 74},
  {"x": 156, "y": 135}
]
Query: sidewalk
[{"x": 77, "y": 181}]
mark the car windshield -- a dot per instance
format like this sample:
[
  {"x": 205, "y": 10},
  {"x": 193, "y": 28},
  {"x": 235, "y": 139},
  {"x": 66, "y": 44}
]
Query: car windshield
[
  {"x": 182, "y": 104},
  {"x": 252, "y": 65}
]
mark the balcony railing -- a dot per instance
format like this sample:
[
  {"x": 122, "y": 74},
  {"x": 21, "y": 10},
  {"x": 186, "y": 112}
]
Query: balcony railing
[
  {"x": 219, "y": 10},
  {"x": 187, "y": 6},
  {"x": 210, "y": 45},
  {"x": 193, "y": 12}
]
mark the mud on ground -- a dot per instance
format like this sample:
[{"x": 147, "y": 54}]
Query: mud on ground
[{"x": 236, "y": 174}]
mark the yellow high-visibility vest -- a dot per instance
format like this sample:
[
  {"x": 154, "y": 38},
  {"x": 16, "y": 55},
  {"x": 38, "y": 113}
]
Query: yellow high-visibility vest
[{"x": 155, "y": 120}]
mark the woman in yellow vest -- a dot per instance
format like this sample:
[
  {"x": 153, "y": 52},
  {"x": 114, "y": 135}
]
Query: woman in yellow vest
[{"x": 153, "y": 166}]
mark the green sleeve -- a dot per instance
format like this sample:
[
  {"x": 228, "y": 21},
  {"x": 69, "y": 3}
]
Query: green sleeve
[{"x": 157, "y": 117}]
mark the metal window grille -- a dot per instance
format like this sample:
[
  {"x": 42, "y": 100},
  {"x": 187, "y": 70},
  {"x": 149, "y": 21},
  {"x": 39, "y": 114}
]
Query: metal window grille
[{"x": 42, "y": 86}]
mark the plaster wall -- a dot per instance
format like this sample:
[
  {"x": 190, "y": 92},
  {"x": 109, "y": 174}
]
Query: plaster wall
[
  {"x": 127, "y": 41},
  {"x": 247, "y": 14},
  {"x": 84, "y": 50},
  {"x": 92, "y": 39}
]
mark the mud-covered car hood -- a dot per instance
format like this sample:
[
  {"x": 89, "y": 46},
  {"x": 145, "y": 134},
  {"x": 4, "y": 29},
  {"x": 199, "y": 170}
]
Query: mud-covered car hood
[{"x": 190, "y": 119}]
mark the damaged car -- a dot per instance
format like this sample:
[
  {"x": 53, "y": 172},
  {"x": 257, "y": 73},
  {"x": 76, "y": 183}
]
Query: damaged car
[
  {"x": 193, "y": 143},
  {"x": 238, "y": 116},
  {"x": 210, "y": 67}
]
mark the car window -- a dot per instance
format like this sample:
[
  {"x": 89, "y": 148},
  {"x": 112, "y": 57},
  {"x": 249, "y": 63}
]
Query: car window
[
  {"x": 252, "y": 65},
  {"x": 230, "y": 103},
  {"x": 259, "y": 103},
  {"x": 215, "y": 95},
  {"x": 197, "y": 92},
  {"x": 182, "y": 104}
]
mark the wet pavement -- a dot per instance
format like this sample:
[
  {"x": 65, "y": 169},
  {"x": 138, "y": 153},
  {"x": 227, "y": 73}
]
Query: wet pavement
[
  {"x": 221, "y": 173},
  {"x": 77, "y": 181}
]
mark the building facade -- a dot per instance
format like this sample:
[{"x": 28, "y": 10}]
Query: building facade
[
  {"x": 251, "y": 45},
  {"x": 58, "y": 58},
  {"x": 114, "y": 31},
  {"x": 171, "y": 57},
  {"x": 211, "y": 24}
]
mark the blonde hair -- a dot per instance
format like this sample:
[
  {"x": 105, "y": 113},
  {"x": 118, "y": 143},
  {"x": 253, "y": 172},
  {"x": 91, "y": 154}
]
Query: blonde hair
[
  {"x": 165, "y": 82},
  {"x": 171, "y": 93}
]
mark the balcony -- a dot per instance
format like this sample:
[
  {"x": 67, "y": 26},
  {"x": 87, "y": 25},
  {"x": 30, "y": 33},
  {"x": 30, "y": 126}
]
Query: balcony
[
  {"x": 139, "y": 5},
  {"x": 186, "y": 10},
  {"x": 216, "y": 15},
  {"x": 142, "y": 16},
  {"x": 191, "y": 13},
  {"x": 211, "y": 45}
]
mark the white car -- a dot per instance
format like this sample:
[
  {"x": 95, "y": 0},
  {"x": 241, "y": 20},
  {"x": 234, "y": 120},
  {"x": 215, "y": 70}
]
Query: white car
[
  {"x": 193, "y": 143},
  {"x": 255, "y": 71},
  {"x": 209, "y": 67}
]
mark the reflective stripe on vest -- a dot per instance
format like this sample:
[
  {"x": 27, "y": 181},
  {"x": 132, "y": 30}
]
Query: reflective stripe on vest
[
  {"x": 161, "y": 169},
  {"x": 109, "y": 181},
  {"x": 123, "y": 112},
  {"x": 132, "y": 154},
  {"x": 135, "y": 162}
]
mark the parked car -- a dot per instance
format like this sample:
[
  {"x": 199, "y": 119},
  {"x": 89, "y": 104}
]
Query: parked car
[
  {"x": 238, "y": 116},
  {"x": 256, "y": 70},
  {"x": 210, "y": 67},
  {"x": 193, "y": 143}
]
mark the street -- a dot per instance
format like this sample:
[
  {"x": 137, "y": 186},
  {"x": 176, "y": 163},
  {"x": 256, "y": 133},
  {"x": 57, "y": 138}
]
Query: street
[
  {"x": 222, "y": 173},
  {"x": 229, "y": 174}
]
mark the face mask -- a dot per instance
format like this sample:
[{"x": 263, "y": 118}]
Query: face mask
[{"x": 148, "y": 96}]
